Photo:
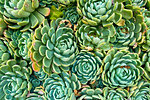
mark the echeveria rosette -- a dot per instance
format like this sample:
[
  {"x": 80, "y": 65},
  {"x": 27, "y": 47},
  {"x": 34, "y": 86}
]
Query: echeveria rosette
[
  {"x": 140, "y": 3},
  {"x": 91, "y": 94},
  {"x": 95, "y": 37},
  {"x": 105, "y": 12},
  {"x": 41, "y": 75},
  {"x": 131, "y": 34},
  {"x": 23, "y": 14},
  {"x": 141, "y": 91},
  {"x": 115, "y": 94},
  {"x": 35, "y": 83},
  {"x": 121, "y": 69},
  {"x": 5, "y": 51},
  {"x": 71, "y": 15},
  {"x": 24, "y": 44},
  {"x": 146, "y": 64},
  {"x": 13, "y": 40},
  {"x": 14, "y": 80},
  {"x": 53, "y": 47},
  {"x": 2, "y": 24},
  {"x": 61, "y": 86},
  {"x": 88, "y": 66}
]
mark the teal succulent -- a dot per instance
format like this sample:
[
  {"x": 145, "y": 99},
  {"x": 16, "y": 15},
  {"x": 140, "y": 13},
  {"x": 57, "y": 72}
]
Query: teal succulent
[
  {"x": 53, "y": 47},
  {"x": 14, "y": 80},
  {"x": 121, "y": 69},
  {"x": 61, "y": 86},
  {"x": 105, "y": 12},
  {"x": 91, "y": 94},
  {"x": 43, "y": 3},
  {"x": 35, "y": 83},
  {"x": 71, "y": 15},
  {"x": 5, "y": 51},
  {"x": 41, "y": 75},
  {"x": 141, "y": 91},
  {"x": 131, "y": 34},
  {"x": 146, "y": 64},
  {"x": 23, "y": 14},
  {"x": 140, "y": 3},
  {"x": 13, "y": 40},
  {"x": 88, "y": 66},
  {"x": 95, "y": 37},
  {"x": 24, "y": 44},
  {"x": 115, "y": 94}
]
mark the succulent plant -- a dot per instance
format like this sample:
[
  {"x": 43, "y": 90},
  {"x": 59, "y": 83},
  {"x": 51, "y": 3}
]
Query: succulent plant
[
  {"x": 61, "y": 86},
  {"x": 88, "y": 66},
  {"x": 141, "y": 91},
  {"x": 71, "y": 15},
  {"x": 56, "y": 12},
  {"x": 13, "y": 40},
  {"x": 14, "y": 80},
  {"x": 53, "y": 47},
  {"x": 91, "y": 94},
  {"x": 24, "y": 44},
  {"x": 65, "y": 2},
  {"x": 131, "y": 34},
  {"x": 121, "y": 69},
  {"x": 34, "y": 96},
  {"x": 105, "y": 12},
  {"x": 37, "y": 95},
  {"x": 23, "y": 14},
  {"x": 140, "y": 3},
  {"x": 44, "y": 3},
  {"x": 95, "y": 37},
  {"x": 2, "y": 24},
  {"x": 35, "y": 83},
  {"x": 41, "y": 75},
  {"x": 5, "y": 51},
  {"x": 115, "y": 94},
  {"x": 146, "y": 64}
]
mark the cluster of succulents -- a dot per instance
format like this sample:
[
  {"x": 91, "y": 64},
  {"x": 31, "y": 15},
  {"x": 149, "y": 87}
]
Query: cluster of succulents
[{"x": 74, "y": 49}]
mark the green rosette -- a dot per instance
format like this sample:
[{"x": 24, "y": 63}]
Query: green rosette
[
  {"x": 91, "y": 94},
  {"x": 41, "y": 75},
  {"x": 53, "y": 47},
  {"x": 14, "y": 80},
  {"x": 131, "y": 34},
  {"x": 139, "y": 3},
  {"x": 23, "y": 14},
  {"x": 95, "y": 37},
  {"x": 146, "y": 64},
  {"x": 5, "y": 51},
  {"x": 141, "y": 91},
  {"x": 88, "y": 66},
  {"x": 71, "y": 15},
  {"x": 13, "y": 38},
  {"x": 105, "y": 12},
  {"x": 61, "y": 86},
  {"x": 115, "y": 94},
  {"x": 24, "y": 44},
  {"x": 121, "y": 69},
  {"x": 35, "y": 83}
]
